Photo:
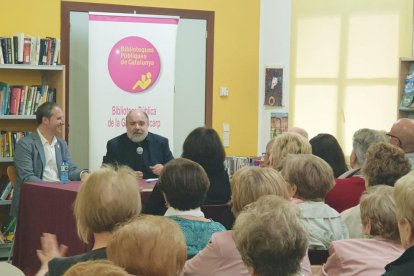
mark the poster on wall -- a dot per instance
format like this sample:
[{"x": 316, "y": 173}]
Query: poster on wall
[
  {"x": 273, "y": 86},
  {"x": 131, "y": 66},
  {"x": 279, "y": 123}
]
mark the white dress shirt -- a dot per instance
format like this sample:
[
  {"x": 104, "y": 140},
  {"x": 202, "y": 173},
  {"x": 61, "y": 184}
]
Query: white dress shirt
[{"x": 50, "y": 172}]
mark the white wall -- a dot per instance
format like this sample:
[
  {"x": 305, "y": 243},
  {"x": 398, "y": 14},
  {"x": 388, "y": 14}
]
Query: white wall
[{"x": 275, "y": 30}]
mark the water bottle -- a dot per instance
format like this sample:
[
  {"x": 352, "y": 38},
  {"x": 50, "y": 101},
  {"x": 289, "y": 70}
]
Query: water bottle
[{"x": 64, "y": 172}]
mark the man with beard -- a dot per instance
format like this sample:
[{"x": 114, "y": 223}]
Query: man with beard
[{"x": 143, "y": 151}]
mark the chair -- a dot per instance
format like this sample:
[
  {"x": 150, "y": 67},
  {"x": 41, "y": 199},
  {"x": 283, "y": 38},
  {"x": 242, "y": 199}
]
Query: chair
[
  {"x": 216, "y": 212},
  {"x": 318, "y": 257},
  {"x": 10, "y": 270},
  {"x": 12, "y": 175}
]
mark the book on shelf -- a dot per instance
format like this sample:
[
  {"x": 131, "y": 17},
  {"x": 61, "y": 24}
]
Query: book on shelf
[
  {"x": 8, "y": 140},
  {"x": 23, "y": 99},
  {"x": 25, "y": 49},
  {"x": 407, "y": 98},
  {"x": 6, "y": 191}
]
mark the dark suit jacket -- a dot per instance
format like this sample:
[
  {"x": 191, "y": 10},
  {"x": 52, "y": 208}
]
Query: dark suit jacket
[
  {"x": 29, "y": 159},
  {"x": 121, "y": 150}
]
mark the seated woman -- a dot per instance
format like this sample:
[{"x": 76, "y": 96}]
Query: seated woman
[
  {"x": 287, "y": 143},
  {"x": 149, "y": 245},
  {"x": 202, "y": 145},
  {"x": 220, "y": 256},
  {"x": 184, "y": 185},
  {"x": 327, "y": 147},
  {"x": 97, "y": 267},
  {"x": 384, "y": 164},
  {"x": 368, "y": 256},
  {"x": 310, "y": 178},
  {"x": 270, "y": 237},
  {"x": 106, "y": 198},
  {"x": 404, "y": 205}
]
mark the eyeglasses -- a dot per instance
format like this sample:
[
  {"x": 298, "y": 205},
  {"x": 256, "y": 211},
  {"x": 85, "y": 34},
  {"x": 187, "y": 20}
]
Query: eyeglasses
[{"x": 395, "y": 137}]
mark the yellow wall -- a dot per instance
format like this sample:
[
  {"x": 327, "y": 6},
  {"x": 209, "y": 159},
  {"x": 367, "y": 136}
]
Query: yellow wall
[{"x": 236, "y": 54}]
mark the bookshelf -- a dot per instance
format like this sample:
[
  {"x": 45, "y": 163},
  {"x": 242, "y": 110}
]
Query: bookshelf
[
  {"x": 406, "y": 66},
  {"x": 26, "y": 74}
]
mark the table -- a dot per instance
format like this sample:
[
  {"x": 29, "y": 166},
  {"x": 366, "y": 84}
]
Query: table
[{"x": 47, "y": 207}]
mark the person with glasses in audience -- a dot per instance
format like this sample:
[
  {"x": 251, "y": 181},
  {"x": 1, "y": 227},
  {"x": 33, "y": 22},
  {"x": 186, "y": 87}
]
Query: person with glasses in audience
[{"x": 402, "y": 135}]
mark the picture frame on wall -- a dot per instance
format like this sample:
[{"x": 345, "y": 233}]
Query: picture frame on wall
[{"x": 273, "y": 86}]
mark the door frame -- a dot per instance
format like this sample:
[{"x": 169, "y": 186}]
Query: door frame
[{"x": 67, "y": 7}]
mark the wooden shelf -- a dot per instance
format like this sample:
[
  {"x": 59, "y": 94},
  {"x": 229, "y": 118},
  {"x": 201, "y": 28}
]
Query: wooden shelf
[
  {"x": 32, "y": 67},
  {"x": 5, "y": 202},
  {"x": 17, "y": 117},
  {"x": 6, "y": 159}
]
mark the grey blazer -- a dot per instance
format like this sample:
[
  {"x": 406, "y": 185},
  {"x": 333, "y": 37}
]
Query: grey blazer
[{"x": 29, "y": 159}]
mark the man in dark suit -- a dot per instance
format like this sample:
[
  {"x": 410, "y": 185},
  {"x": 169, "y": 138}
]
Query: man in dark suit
[
  {"x": 143, "y": 151},
  {"x": 38, "y": 156}
]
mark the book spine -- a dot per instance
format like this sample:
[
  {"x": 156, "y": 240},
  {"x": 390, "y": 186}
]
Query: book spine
[
  {"x": 26, "y": 50},
  {"x": 15, "y": 40},
  {"x": 6, "y": 191},
  {"x": 9, "y": 50}
]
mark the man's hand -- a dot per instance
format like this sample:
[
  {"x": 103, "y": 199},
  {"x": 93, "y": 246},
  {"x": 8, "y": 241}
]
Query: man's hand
[
  {"x": 84, "y": 175},
  {"x": 157, "y": 169},
  {"x": 50, "y": 250}
]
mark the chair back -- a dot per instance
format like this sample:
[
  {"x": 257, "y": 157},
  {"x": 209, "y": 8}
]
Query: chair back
[
  {"x": 10, "y": 270},
  {"x": 215, "y": 212},
  {"x": 12, "y": 175}
]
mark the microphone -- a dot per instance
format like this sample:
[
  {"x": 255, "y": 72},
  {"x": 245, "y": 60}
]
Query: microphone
[{"x": 140, "y": 150}]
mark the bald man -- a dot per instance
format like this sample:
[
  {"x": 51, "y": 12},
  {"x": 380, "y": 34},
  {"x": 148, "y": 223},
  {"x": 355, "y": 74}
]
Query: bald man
[
  {"x": 143, "y": 151},
  {"x": 300, "y": 131},
  {"x": 402, "y": 135}
]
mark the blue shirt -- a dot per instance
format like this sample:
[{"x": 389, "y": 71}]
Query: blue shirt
[{"x": 197, "y": 233}]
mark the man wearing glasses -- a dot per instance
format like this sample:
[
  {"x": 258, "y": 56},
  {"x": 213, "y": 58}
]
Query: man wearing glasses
[{"x": 402, "y": 135}]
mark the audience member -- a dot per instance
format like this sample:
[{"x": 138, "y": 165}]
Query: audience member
[
  {"x": 106, "y": 198},
  {"x": 310, "y": 179},
  {"x": 266, "y": 161},
  {"x": 402, "y": 135},
  {"x": 384, "y": 165},
  {"x": 368, "y": 256},
  {"x": 350, "y": 185},
  {"x": 403, "y": 195},
  {"x": 327, "y": 147},
  {"x": 38, "y": 156},
  {"x": 299, "y": 131},
  {"x": 143, "y": 151},
  {"x": 184, "y": 184},
  {"x": 270, "y": 237},
  {"x": 287, "y": 143},
  {"x": 150, "y": 246},
  {"x": 97, "y": 267},
  {"x": 362, "y": 139},
  {"x": 202, "y": 145},
  {"x": 220, "y": 256}
]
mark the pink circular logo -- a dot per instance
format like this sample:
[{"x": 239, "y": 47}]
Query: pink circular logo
[{"x": 134, "y": 64}]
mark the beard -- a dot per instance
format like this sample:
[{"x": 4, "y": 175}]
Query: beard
[{"x": 137, "y": 137}]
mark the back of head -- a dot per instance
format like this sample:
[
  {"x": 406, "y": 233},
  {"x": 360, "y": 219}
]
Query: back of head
[
  {"x": 249, "y": 183},
  {"x": 107, "y": 197},
  {"x": 378, "y": 210},
  {"x": 184, "y": 183},
  {"x": 311, "y": 175},
  {"x": 203, "y": 145},
  {"x": 149, "y": 245},
  {"x": 299, "y": 131},
  {"x": 403, "y": 129},
  {"x": 403, "y": 195},
  {"x": 270, "y": 236},
  {"x": 288, "y": 143},
  {"x": 327, "y": 147},
  {"x": 385, "y": 164},
  {"x": 362, "y": 139},
  {"x": 97, "y": 267}
]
